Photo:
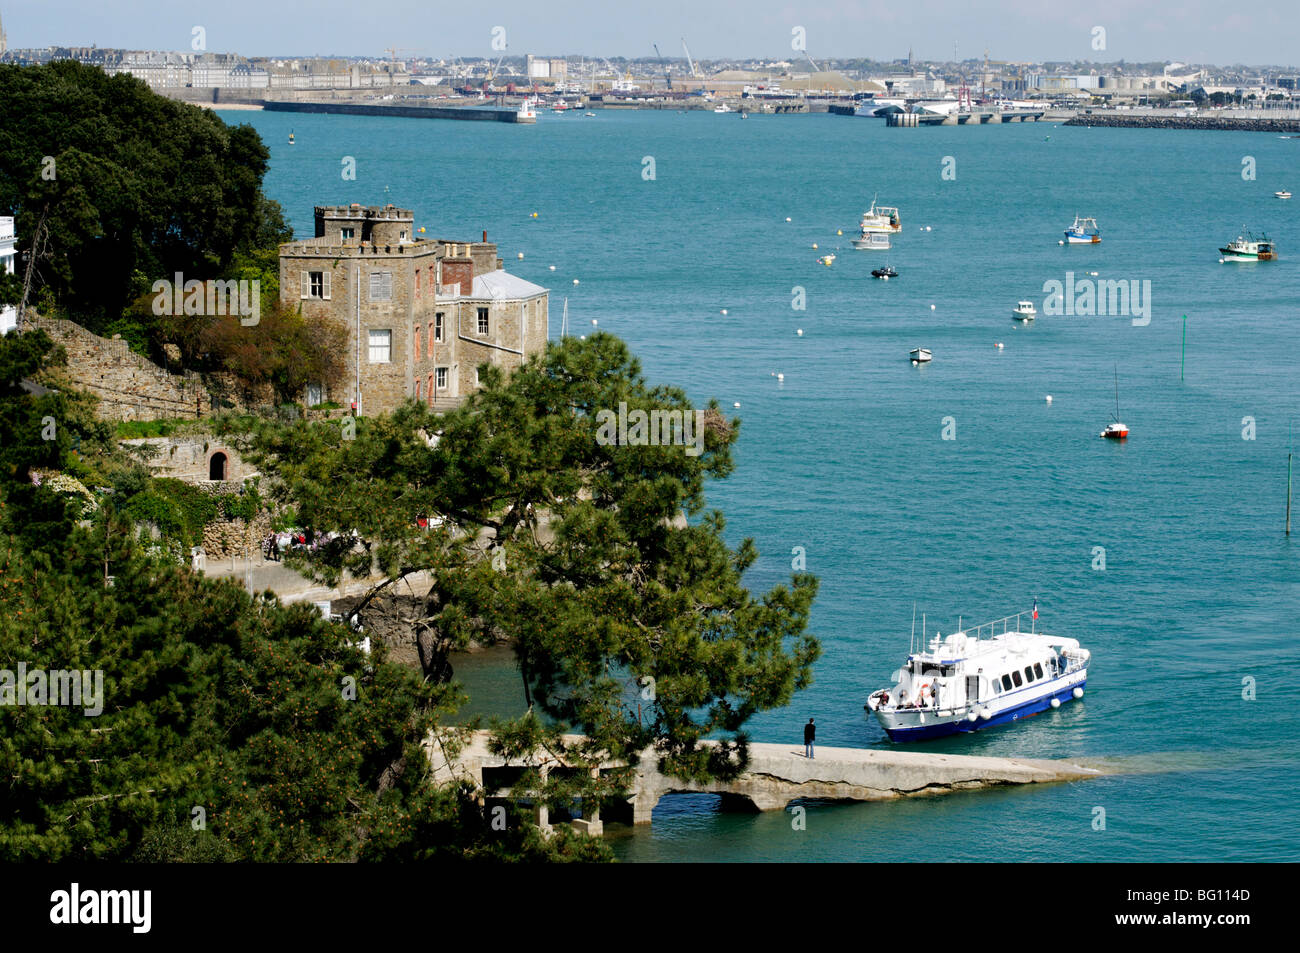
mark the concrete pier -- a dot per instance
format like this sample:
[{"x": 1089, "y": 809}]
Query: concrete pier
[{"x": 780, "y": 773}]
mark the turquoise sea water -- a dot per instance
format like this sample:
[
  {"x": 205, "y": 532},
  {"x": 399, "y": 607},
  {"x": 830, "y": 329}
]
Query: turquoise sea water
[{"x": 845, "y": 457}]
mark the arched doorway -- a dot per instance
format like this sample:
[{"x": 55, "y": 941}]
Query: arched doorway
[{"x": 217, "y": 467}]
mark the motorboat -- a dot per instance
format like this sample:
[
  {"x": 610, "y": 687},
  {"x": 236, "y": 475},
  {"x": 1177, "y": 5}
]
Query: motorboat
[
  {"x": 920, "y": 355},
  {"x": 968, "y": 681},
  {"x": 1024, "y": 311},
  {"x": 1248, "y": 247},
  {"x": 1084, "y": 231},
  {"x": 872, "y": 241},
  {"x": 884, "y": 218},
  {"x": 886, "y": 273},
  {"x": 1283, "y": 194}
]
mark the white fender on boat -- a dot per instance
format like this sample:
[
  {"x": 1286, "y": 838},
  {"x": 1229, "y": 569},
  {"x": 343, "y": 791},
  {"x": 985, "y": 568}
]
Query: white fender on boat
[
  {"x": 972, "y": 716},
  {"x": 986, "y": 713},
  {"x": 1056, "y": 703},
  {"x": 1078, "y": 692}
]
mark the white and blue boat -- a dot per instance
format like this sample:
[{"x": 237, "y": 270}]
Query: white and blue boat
[
  {"x": 968, "y": 681},
  {"x": 1084, "y": 231}
]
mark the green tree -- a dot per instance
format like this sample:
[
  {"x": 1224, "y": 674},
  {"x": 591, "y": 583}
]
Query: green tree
[{"x": 597, "y": 561}]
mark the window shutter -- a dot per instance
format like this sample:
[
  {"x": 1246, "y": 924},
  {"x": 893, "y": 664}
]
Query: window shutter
[
  {"x": 306, "y": 284},
  {"x": 325, "y": 285}
]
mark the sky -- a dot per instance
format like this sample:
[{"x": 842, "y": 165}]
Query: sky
[{"x": 1201, "y": 31}]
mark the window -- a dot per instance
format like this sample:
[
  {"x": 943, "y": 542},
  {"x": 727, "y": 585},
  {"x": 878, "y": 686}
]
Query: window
[
  {"x": 440, "y": 375},
  {"x": 381, "y": 347},
  {"x": 1038, "y": 669},
  {"x": 401, "y": 236},
  {"x": 316, "y": 284},
  {"x": 381, "y": 286},
  {"x": 437, "y": 326},
  {"x": 482, "y": 320},
  {"x": 1006, "y": 683},
  {"x": 347, "y": 234},
  {"x": 1029, "y": 673},
  {"x": 417, "y": 342},
  {"x": 1015, "y": 677}
]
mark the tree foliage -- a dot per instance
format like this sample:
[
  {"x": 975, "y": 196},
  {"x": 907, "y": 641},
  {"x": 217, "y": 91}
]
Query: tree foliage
[
  {"x": 132, "y": 185},
  {"x": 624, "y": 604}
]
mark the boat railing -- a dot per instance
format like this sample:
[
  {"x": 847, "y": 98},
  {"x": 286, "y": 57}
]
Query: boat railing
[{"x": 993, "y": 626}]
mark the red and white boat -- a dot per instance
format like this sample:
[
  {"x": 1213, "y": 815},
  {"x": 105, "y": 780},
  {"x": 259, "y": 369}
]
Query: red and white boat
[{"x": 1115, "y": 430}]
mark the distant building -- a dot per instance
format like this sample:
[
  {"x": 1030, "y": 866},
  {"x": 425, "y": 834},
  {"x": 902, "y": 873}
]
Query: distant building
[
  {"x": 420, "y": 315},
  {"x": 538, "y": 68},
  {"x": 8, "y": 313}
]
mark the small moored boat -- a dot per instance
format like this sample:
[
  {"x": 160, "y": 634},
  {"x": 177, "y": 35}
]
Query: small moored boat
[
  {"x": 966, "y": 682},
  {"x": 1115, "y": 430},
  {"x": 291, "y": 137},
  {"x": 1283, "y": 194},
  {"x": 1024, "y": 311},
  {"x": 886, "y": 273},
  {"x": 920, "y": 355},
  {"x": 884, "y": 218},
  {"x": 872, "y": 241}
]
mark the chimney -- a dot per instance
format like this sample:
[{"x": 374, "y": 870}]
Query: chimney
[{"x": 485, "y": 236}]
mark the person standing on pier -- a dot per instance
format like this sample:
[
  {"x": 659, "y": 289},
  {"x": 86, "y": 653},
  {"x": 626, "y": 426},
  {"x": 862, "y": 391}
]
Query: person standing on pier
[{"x": 809, "y": 737}]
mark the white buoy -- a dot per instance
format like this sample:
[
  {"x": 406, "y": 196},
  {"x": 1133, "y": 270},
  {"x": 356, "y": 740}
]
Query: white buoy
[
  {"x": 927, "y": 228},
  {"x": 1049, "y": 398},
  {"x": 814, "y": 244},
  {"x": 799, "y": 332},
  {"x": 931, "y": 307},
  {"x": 780, "y": 377},
  {"x": 998, "y": 345},
  {"x": 521, "y": 256},
  {"x": 1056, "y": 703},
  {"x": 575, "y": 281},
  {"x": 724, "y": 310},
  {"x": 1060, "y": 242},
  {"x": 736, "y": 405},
  {"x": 552, "y": 268},
  {"x": 787, "y": 218},
  {"x": 1078, "y": 692},
  {"x": 1093, "y": 273},
  {"x": 593, "y": 322}
]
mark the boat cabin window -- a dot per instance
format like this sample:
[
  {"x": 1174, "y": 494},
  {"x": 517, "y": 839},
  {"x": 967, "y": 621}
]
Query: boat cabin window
[
  {"x": 1015, "y": 677},
  {"x": 1038, "y": 669},
  {"x": 1029, "y": 673},
  {"x": 1006, "y": 682}
]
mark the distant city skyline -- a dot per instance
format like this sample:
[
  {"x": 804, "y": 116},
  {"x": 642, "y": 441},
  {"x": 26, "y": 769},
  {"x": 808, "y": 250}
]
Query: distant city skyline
[{"x": 1197, "y": 31}]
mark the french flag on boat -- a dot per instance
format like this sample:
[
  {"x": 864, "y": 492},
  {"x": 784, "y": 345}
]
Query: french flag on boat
[{"x": 1035, "y": 609}]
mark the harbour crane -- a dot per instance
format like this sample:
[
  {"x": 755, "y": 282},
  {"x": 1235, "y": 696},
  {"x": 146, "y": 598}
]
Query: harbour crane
[
  {"x": 667, "y": 76},
  {"x": 690, "y": 62}
]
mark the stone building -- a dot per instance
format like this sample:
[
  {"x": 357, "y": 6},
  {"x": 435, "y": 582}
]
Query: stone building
[{"x": 420, "y": 314}]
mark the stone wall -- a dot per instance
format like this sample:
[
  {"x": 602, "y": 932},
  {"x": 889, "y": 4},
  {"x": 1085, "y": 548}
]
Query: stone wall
[
  {"x": 225, "y": 538},
  {"x": 189, "y": 457},
  {"x": 129, "y": 387}
]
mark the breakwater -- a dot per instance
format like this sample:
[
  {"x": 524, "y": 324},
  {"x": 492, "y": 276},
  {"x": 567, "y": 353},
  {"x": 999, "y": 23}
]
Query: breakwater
[
  {"x": 1188, "y": 122},
  {"x": 479, "y": 113}
]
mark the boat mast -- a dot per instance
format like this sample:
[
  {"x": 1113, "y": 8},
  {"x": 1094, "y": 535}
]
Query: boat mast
[
  {"x": 1117, "y": 393},
  {"x": 911, "y": 642}
]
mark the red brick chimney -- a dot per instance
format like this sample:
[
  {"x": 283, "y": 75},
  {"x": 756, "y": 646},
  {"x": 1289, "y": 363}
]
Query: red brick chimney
[{"x": 458, "y": 271}]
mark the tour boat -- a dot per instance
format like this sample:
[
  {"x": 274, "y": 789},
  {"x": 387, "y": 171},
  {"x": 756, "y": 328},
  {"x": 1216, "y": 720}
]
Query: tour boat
[
  {"x": 882, "y": 219},
  {"x": 872, "y": 241},
  {"x": 887, "y": 272},
  {"x": 966, "y": 682},
  {"x": 920, "y": 355},
  {"x": 1084, "y": 231},
  {"x": 1024, "y": 311},
  {"x": 1283, "y": 194},
  {"x": 1249, "y": 248},
  {"x": 1115, "y": 430}
]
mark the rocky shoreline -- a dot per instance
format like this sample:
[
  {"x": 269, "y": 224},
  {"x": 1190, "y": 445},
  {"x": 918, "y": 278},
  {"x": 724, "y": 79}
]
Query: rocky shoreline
[{"x": 1187, "y": 122}]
